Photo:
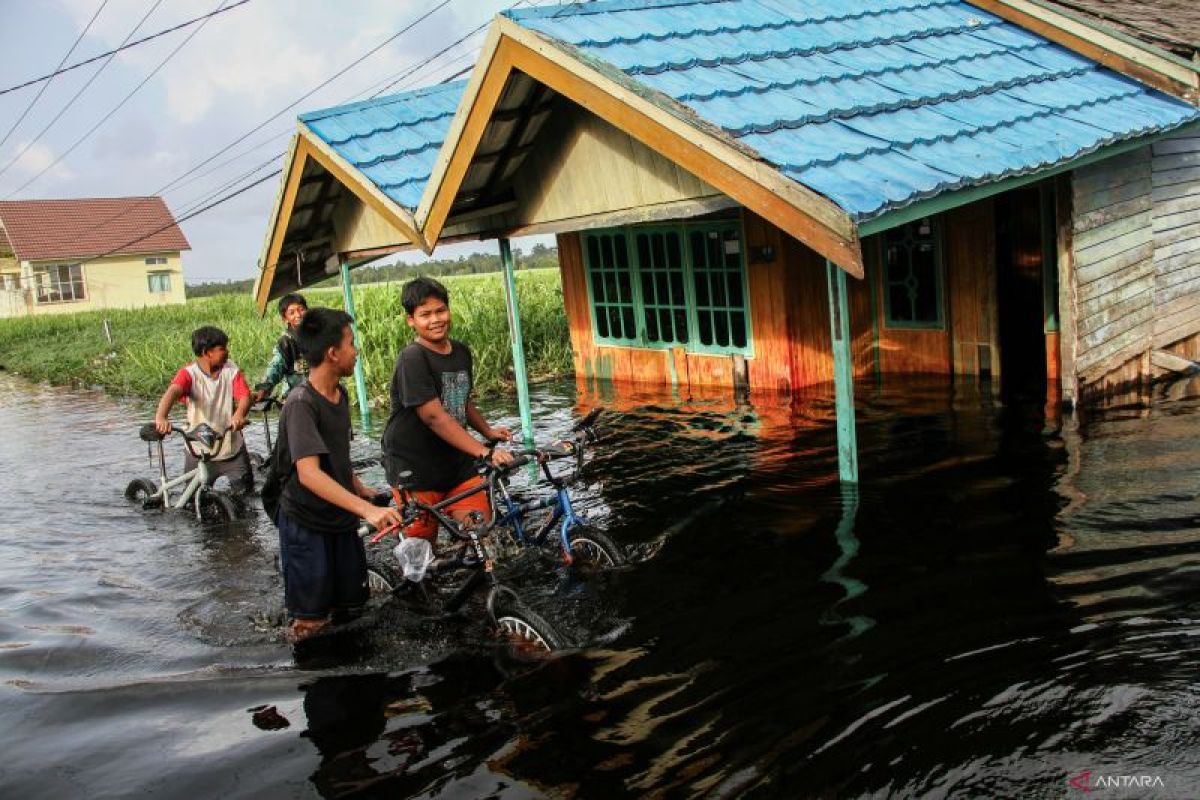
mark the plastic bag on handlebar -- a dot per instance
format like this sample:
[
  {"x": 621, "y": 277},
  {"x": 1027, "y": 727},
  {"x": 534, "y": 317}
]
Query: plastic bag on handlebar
[{"x": 415, "y": 555}]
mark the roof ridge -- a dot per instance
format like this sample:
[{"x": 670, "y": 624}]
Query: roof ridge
[
  {"x": 576, "y": 9},
  {"x": 926, "y": 33},
  {"x": 374, "y": 102},
  {"x": 846, "y": 113},
  {"x": 83, "y": 199},
  {"x": 763, "y": 26},
  {"x": 1000, "y": 50},
  {"x": 949, "y": 137}
]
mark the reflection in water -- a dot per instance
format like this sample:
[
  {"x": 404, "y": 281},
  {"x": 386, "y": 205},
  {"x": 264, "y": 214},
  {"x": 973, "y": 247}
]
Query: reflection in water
[
  {"x": 1030, "y": 615},
  {"x": 848, "y": 544}
]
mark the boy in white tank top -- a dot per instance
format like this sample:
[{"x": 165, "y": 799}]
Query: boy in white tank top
[{"x": 216, "y": 393}]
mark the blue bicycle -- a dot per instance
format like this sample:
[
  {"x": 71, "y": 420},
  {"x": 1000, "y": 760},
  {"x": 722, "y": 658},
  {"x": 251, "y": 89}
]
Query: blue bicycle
[{"x": 582, "y": 547}]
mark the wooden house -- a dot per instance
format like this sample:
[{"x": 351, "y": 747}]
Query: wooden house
[{"x": 773, "y": 195}]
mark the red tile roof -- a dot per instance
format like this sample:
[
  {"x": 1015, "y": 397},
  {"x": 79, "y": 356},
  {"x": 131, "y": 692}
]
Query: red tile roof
[{"x": 85, "y": 228}]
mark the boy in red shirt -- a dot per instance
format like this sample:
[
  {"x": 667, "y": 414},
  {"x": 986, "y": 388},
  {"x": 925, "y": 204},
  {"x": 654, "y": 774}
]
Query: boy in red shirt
[{"x": 212, "y": 386}]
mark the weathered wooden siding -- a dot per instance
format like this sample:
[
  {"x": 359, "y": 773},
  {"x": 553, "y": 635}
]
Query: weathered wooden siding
[
  {"x": 789, "y": 314},
  {"x": 1175, "y": 191},
  {"x": 1113, "y": 254},
  {"x": 628, "y": 364}
]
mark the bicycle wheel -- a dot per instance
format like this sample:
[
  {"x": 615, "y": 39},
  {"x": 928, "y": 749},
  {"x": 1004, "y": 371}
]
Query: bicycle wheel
[
  {"x": 593, "y": 550},
  {"x": 524, "y": 630},
  {"x": 217, "y": 507},
  {"x": 143, "y": 492},
  {"x": 382, "y": 577}
]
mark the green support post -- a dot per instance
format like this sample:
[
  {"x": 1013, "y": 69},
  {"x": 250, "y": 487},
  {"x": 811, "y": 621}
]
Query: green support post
[
  {"x": 517, "y": 341},
  {"x": 360, "y": 380},
  {"x": 843, "y": 373}
]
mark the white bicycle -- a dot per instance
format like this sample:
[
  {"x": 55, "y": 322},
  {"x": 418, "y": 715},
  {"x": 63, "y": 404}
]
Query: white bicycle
[{"x": 207, "y": 503}]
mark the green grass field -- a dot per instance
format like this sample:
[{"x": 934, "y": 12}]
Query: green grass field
[{"x": 149, "y": 345}]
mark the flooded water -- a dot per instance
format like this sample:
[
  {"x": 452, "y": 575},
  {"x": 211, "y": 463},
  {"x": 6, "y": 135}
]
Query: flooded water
[{"x": 1001, "y": 607}]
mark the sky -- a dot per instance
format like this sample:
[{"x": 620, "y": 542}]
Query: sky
[{"x": 243, "y": 68}]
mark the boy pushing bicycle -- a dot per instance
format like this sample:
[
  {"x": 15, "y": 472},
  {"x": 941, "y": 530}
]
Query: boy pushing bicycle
[
  {"x": 212, "y": 386},
  {"x": 432, "y": 408},
  {"x": 321, "y": 500}
]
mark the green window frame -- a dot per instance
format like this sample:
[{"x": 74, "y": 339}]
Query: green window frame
[
  {"x": 688, "y": 285},
  {"x": 912, "y": 276}
]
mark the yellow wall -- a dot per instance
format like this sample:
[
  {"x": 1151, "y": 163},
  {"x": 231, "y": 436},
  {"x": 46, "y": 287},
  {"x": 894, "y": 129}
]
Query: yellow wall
[{"x": 113, "y": 282}]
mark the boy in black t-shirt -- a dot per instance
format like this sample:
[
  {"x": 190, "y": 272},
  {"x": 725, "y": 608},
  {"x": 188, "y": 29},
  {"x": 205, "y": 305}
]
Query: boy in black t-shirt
[
  {"x": 432, "y": 409},
  {"x": 321, "y": 500}
]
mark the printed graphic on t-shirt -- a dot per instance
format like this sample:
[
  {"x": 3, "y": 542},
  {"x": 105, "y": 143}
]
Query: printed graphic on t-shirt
[{"x": 456, "y": 386}]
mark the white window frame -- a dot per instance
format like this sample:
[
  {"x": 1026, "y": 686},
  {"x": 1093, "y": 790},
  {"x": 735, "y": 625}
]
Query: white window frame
[
  {"x": 47, "y": 280},
  {"x": 165, "y": 277},
  {"x": 156, "y": 261}
]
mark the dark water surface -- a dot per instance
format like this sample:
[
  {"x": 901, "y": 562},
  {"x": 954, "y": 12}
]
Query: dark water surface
[{"x": 1002, "y": 606}]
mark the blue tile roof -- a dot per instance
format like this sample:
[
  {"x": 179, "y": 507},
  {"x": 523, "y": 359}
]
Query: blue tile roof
[
  {"x": 877, "y": 104},
  {"x": 394, "y": 141}
]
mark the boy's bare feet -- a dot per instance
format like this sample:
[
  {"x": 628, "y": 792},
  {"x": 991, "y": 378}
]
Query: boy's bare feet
[{"x": 301, "y": 629}]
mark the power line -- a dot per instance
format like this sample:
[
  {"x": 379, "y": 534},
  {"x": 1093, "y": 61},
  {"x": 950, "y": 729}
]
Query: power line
[
  {"x": 61, "y": 69},
  {"x": 166, "y": 187},
  {"x": 42, "y": 91},
  {"x": 82, "y": 89},
  {"x": 117, "y": 107},
  {"x": 185, "y": 217},
  {"x": 192, "y": 211},
  {"x": 311, "y": 92}
]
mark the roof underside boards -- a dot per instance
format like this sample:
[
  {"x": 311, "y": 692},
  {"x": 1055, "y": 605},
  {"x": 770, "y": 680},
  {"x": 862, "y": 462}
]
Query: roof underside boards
[
  {"x": 876, "y": 105},
  {"x": 393, "y": 141}
]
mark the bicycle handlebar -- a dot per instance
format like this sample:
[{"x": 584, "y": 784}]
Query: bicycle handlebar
[{"x": 265, "y": 404}]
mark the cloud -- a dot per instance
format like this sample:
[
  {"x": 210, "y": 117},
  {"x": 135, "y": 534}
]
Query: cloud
[
  {"x": 242, "y": 68},
  {"x": 35, "y": 159}
]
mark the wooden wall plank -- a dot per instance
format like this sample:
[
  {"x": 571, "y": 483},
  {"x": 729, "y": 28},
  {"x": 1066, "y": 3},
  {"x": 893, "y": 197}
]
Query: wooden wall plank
[
  {"x": 1090, "y": 251},
  {"x": 1175, "y": 176},
  {"x": 1088, "y": 270},
  {"x": 1119, "y": 210},
  {"x": 969, "y": 257},
  {"x": 1169, "y": 161},
  {"x": 1134, "y": 228},
  {"x": 770, "y": 368},
  {"x": 1177, "y": 144}
]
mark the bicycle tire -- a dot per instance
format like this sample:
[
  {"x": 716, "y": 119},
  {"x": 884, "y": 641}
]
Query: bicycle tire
[
  {"x": 592, "y": 550},
  {"x": 143, "y": 492},
  {"x": 217, "y": 507},
  {"x": 382, "y": 577},
  {"x": 525, "y": 631}
]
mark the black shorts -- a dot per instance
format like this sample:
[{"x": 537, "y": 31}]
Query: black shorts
[{"x": 322, "y": 572}]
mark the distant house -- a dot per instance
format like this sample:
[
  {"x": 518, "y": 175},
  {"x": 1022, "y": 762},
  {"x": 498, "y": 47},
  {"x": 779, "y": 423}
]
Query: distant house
[{"x": 62, "y": 256}]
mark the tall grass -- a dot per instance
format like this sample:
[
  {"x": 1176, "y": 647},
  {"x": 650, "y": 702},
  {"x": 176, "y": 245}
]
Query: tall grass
[{"x": 150, "y": 344}]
